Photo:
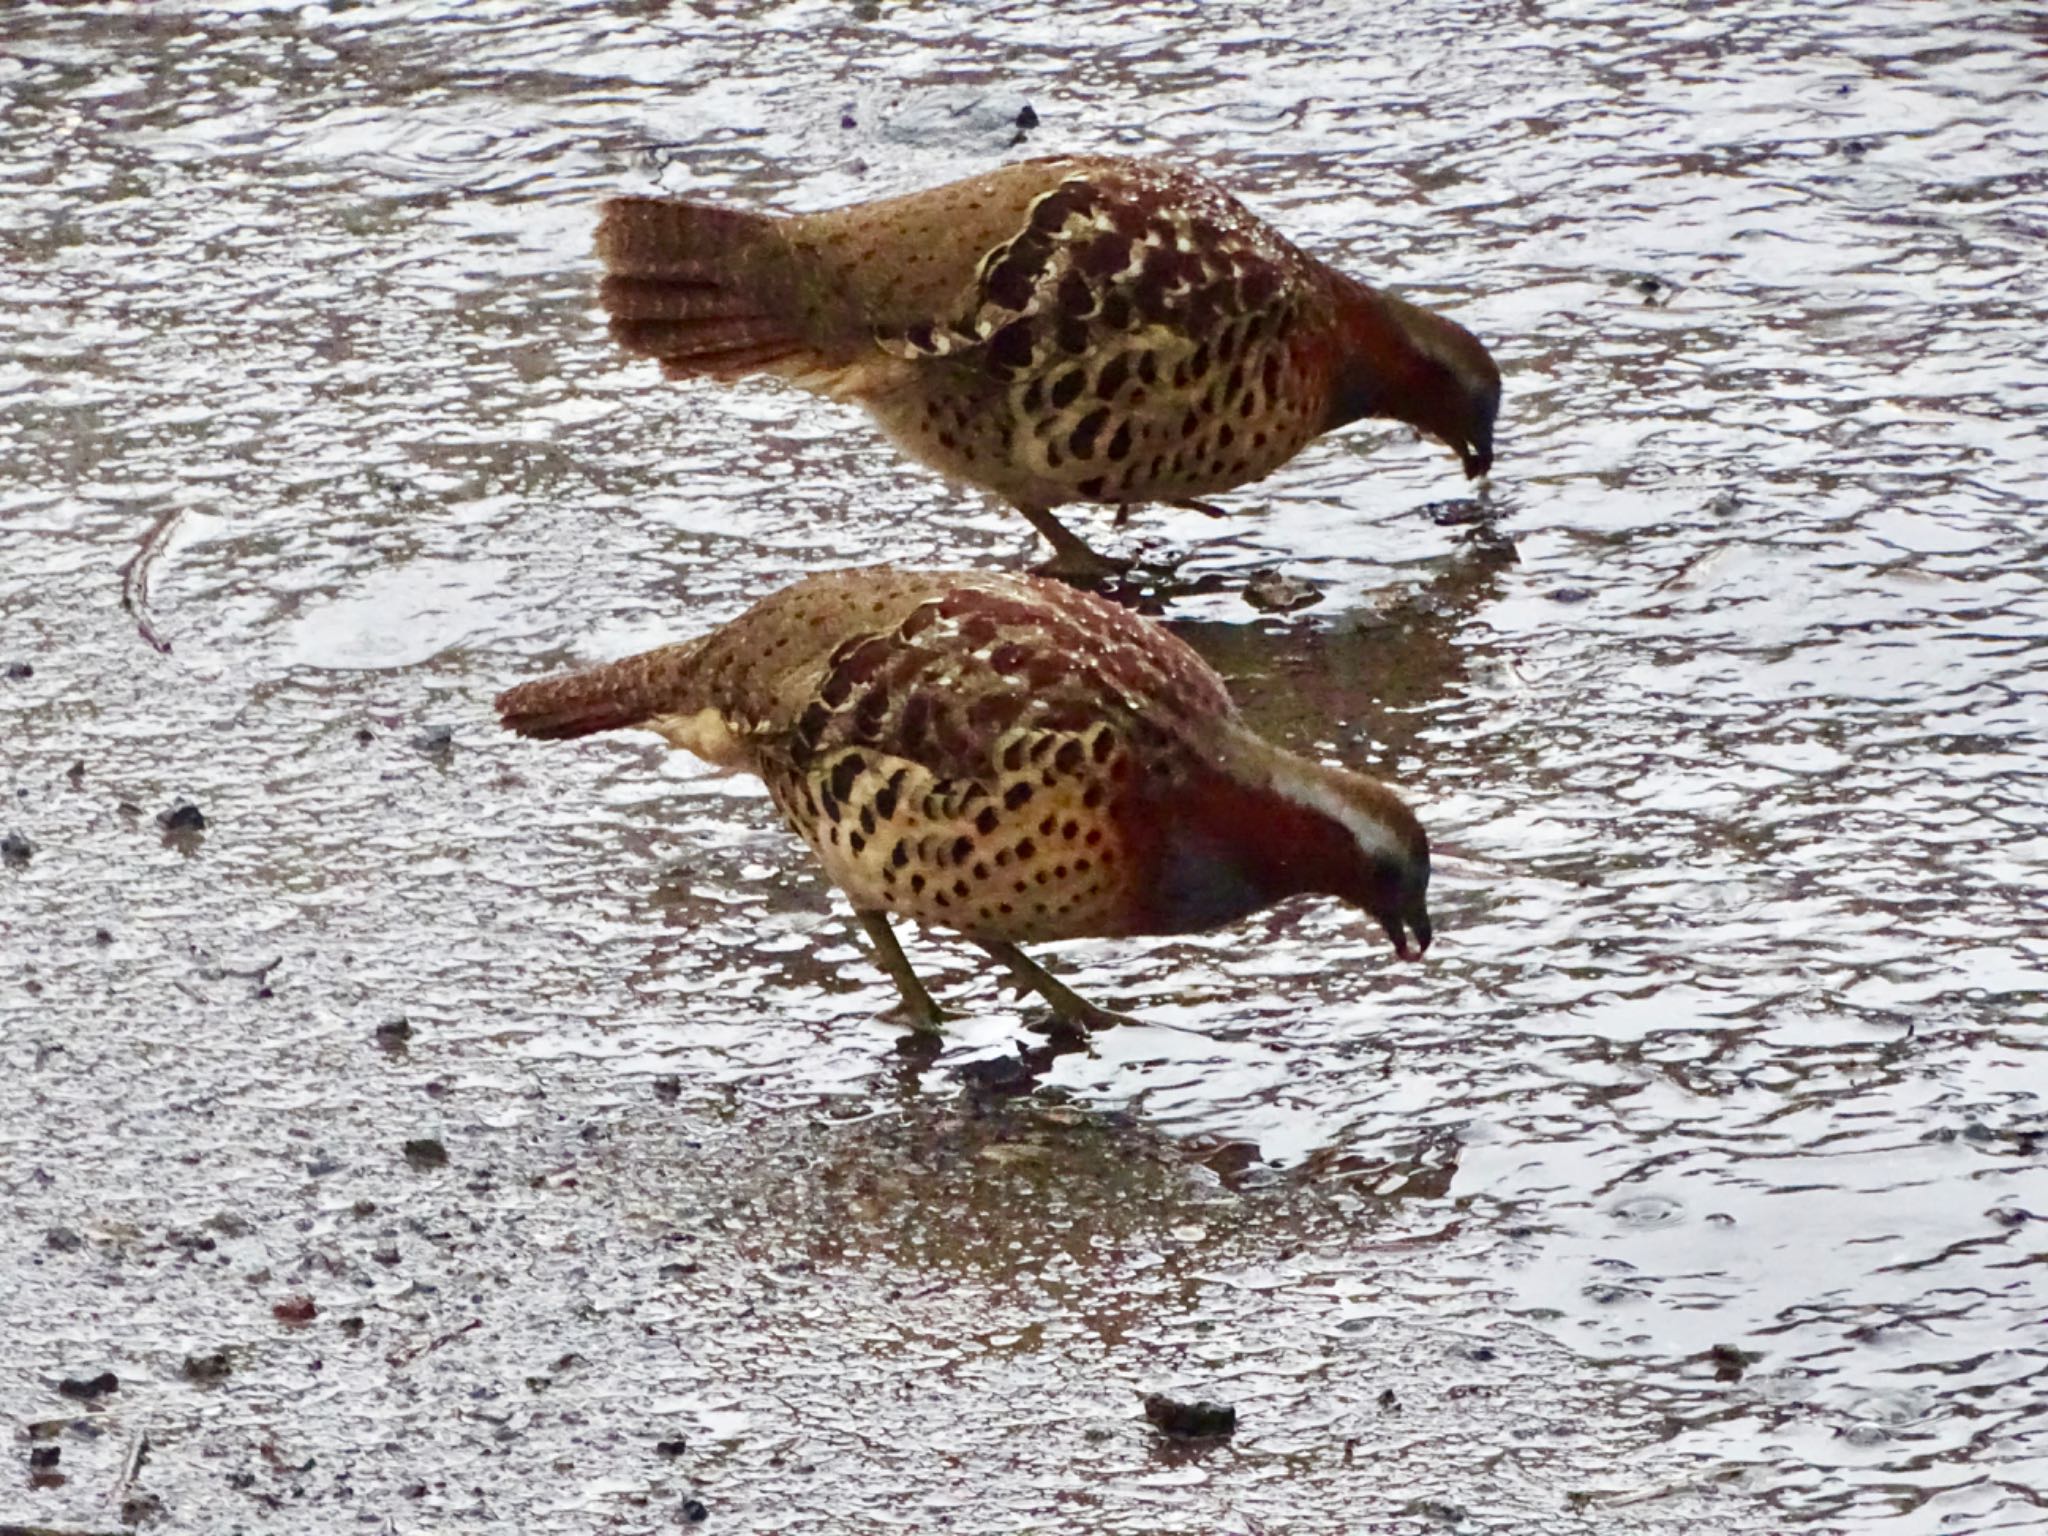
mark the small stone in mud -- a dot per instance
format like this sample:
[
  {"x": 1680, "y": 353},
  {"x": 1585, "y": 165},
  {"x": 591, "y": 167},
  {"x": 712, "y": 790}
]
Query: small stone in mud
[
  {"x": 436, "y": 741},
  {"x": 668, "y": 1088},
  {"x": 40, "y": 1456},
  {"x": 1274, "y": 591},
  {"x": 1729, "y": 1362},
  {"x": 1000, "y": 1077},
  {"x": 1388, "y": 1402},
  {"x": 426, "y": 1152},
  {"x": 207, "y": 1370},
  {"x": 182, "y": 817},
  {"x": 694, "y": 1512},
  {"x": 1571, "y": 595},
  {"x": 393, "y": 1035},
  {"x": 670, "y": 1448},
  {"x": 62, "y": 1240},
  {"x": 295, "y": 1311},
  {"x": 1190, "y": 1421},
  {"x": 19, "y": 671},
  {"x": 90, "y": 1388},
  {"x": 1458, "y": 512},
  {"x": 351, "y": 1326},
  {"x": 16, "y": 851},
  {"x": 76, "y": 774},
  {"x": 139, "y": 1507}
]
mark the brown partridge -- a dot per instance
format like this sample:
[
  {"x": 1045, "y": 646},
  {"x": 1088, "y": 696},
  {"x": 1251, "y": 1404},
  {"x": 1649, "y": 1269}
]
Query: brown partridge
[
  {"x": 1060, "y": 330},
  {"x": 1007, "y": 757}
]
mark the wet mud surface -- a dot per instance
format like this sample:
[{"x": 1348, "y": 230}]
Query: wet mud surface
[{"x": 408, "y": 1128}]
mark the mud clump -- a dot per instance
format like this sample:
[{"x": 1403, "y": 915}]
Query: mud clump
[
  {"x": 1200, "y": 1420},
  {"x": 16, "y": 851},
  {"x": 89, "y": 1389},
  {"x": 182, "y": 817},
  {"x": 208, "y": 1370},
  {"x": 1274, "y": 591},
  {"x": 426, "y": 1152}
]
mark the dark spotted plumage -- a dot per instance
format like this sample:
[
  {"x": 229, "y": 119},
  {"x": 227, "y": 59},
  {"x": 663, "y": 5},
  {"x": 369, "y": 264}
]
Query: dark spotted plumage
[
  {"x": 1072, "y": 329},
  {"x": 1005, "y": 757}
]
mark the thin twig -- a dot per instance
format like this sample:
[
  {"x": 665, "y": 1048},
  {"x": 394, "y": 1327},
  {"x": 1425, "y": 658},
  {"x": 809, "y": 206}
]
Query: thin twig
[
  {"x": 407, "y": 1356},
  {"x": 131, "y": 1469},
  {"x": 135, "y": 582}
]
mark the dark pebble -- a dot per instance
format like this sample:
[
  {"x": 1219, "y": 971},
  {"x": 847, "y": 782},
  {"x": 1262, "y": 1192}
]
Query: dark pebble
[
  {"x": 1000, "y": 1077},
  {"x": 670, "y": 1447},
  {"x": 1459, "y": 512},
  {"x": 846, "y": 120},
  {"x": 392, "y": 1036},
  {"x": 1388, "y": 1402},
  {"x": 207, "y": 1370},
  {"x": 139, "y": 1507},
  {"x": 182, "y": 817},
  {"x": 426, "y": 1152},
  {"x": 45, "y": 1455},
  {"x": 87, "y": 1389},
  {"x": 668, "y": 1088},
  {"x": 76, "y": 774},
  {"x": 101, "y": 937},
  {"x": 62, "y": 1240},
  {"x": 295, "y": 1311},
  {"x": 16, "y": 850},
  {"x": 694, "y": 1512},
  {"x": 19, "y": 671},
  {"x": 1571, "y": 595},
  {"x": 1729, "y": 1362},
  {"x": 1026, "y": 118},
  {"x": 1276, "y": 592},
  {"x": 1190, "y": 1421},
  {"x": 435, "y": 741},
  {"x": 351, "y": 1326}
]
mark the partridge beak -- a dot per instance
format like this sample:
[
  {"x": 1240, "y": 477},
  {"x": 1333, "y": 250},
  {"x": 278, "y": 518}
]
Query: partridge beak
[{"x": 1401, "y": 925}]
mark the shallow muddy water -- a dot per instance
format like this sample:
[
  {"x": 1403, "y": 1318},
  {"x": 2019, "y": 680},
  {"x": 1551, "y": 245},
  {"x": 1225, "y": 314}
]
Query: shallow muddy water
[{"x": 1697, "y": 1183}]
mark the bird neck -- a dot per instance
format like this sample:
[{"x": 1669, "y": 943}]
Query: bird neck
[
  {"x": 1269, "y": 825},
  {"x": 1384, "y": 363}
]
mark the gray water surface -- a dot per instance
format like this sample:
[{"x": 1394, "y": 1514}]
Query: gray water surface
[{"x": 1698, "y": 1182}]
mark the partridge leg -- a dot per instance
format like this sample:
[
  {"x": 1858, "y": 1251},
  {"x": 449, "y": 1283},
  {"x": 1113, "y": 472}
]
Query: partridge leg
[
  {"x": 1066, "y": 1006},
  {"x": 925, "y": 1015},
  {"x": 1072, "y": 560}
]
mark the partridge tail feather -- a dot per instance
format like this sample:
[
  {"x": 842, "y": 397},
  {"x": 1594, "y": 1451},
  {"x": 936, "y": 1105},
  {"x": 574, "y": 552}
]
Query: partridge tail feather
[
  {"x": 693, "y": 286},
  {"x": 635, "y": 692}
]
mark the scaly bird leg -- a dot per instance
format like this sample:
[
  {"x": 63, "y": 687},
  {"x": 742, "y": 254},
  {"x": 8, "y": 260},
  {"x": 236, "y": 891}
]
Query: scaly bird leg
[
  {"x": 925, "y": 1015},
  {"x": 1072, "y": 560},
  {"x": 1069, "y": 1009}
]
